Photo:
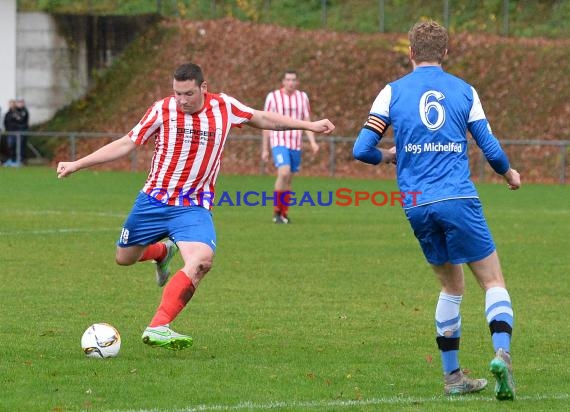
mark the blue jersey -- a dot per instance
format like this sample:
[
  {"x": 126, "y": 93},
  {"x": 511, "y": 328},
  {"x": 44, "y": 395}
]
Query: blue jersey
[{"x": 431, "y": 111}]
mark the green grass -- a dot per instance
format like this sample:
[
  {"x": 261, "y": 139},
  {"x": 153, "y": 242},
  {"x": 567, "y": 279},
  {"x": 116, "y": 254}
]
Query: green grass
[
  {"x": 525, "y": 19},
  {"x": 331, "y": 313}
]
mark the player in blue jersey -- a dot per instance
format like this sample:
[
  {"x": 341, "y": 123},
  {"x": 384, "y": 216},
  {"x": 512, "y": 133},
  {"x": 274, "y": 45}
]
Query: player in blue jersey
[{"x": 431, "y": 111}]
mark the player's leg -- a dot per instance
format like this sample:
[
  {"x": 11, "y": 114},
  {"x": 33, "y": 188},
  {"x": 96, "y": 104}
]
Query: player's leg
[
  {"x": 139, "y": 240},
  {"x": 499, "y": 313},
  {"x": 194, "y": 233},
  {"x": 447, "y": 315},
  {"x": 448, "y": 330},
  {"x": 431, "y": 233},
  {"x": 129, "y": 255},
  {"x": 282, "y": 193},
  {"x": 283, "y": 181},
  {"x": 294, "y": 165},
  {"x": 160, "y": 252},
  {"x": 282, "y": 162},
  {"x": 176, "y": 295},
  {"x": 198, "y": 259},
  {"x": 470, "y": 241}
]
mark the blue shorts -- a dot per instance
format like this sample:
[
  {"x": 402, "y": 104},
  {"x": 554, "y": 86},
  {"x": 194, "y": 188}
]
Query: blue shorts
[
  {"x": 283, "y": 156},
  {"x": 151, "y": 221},
  {"x": 453, "y": 231}
]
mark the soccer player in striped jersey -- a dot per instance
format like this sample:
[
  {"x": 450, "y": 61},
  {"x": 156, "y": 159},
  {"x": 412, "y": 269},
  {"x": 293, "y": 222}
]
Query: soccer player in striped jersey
[
  {"x": 431, "y": 111},
  {"x": 189, "y": 128},
  {"x": 286, "y": 145}
]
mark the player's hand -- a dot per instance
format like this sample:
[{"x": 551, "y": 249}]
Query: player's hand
[
  {"x": 389, "y": 155},
  {"x": 323, "y": 126},
  {"x": 65, "y": 169},
  {"x": 513, "y": 179}
]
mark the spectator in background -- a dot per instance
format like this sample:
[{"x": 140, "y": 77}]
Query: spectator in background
[
  {"x": 12, "y": 123},
  {"x": 286, "y": 144},
  {"x": 1, "y": 140},
  {"x": 23, "y": 126}
]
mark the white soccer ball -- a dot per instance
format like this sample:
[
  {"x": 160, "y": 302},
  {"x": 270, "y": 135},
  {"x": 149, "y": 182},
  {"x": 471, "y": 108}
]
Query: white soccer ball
[{"x": 101, "y": 340}]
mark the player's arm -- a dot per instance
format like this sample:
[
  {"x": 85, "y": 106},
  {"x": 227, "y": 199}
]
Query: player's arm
[
  {"x": 365, "y": 149},
  {"x": 372, "y": 131},
  {"x": 111, "y": 151},
  {"x": 275, "y": 121},
  {"x": 494, "y": 153},
  {"x": 480, "y": 129},
  {"x": 265, "y": 136},
  {"x": 312, "y": 140}
]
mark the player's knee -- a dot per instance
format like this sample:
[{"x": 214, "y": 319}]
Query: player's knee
[
  {"x": 204, "y": 267},
  {"x": 496, "y": 282},
  {"x": 123, "y": 260},
  {"x": 198, "y": 270},
  {"x": 284, "y": 172}
]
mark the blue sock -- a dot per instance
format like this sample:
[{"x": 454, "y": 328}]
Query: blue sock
[
  {"x": 499, "y": 313},
  {"x": 448, "y": 328}
]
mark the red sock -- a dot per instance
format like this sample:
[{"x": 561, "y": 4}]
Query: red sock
[
  {"x": 177, "y": 293},
  {"x": 286, "y": 199},
  {"x": 156, "y": 251},
  {"x": 277, "y": 201}
]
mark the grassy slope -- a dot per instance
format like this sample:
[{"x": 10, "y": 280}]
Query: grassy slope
[
  {"x": 342, "y": 72},
  {"x": 523, "y": 84}
]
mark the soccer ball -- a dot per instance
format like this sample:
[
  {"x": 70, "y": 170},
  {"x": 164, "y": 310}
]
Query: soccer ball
[{"x": 101, "y": 340}]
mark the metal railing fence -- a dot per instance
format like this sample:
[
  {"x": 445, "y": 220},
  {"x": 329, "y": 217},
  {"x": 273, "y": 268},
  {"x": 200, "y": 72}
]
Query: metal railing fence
[
  {"x": 539, "y": 160},
  {"x": 505, "y": 17}
]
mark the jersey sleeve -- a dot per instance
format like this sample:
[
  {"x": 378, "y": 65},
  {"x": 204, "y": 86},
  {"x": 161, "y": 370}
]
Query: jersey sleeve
[
  {"x": 481, "y": 131},
  {"x": 365, "y": 149},
  {"x": 239, "y": 113},
  {"x": 381, "y": 105},
  {"x": 148, "y": 125},
  {"x": 373, "y": 129}
]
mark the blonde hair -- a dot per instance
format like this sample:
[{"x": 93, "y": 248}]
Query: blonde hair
[{"x": 428, "y": 41}]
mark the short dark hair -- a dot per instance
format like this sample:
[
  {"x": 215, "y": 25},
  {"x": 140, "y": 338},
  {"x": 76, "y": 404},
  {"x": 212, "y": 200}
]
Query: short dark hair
[
  {"x": 428, "y": 41},
  {"x": 289, "y": 71},
  {"x": 189, "y": 71}
]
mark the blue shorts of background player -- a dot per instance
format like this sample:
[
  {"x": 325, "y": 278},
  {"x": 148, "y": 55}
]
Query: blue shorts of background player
[
  {"x": 151, "y": 221},
  {"x": 283, "y": 156},
  {"x": 453, "y": 231}
]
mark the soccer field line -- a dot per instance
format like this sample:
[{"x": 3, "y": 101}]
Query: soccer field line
[
  {"x": 324, "y": 404},
  {"x": 556, "y": 212},
  {"x": 62, "y": 231},
  {"x": 68, "y": 212}
]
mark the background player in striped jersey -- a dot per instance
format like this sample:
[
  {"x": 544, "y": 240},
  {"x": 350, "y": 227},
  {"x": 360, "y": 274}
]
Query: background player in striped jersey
[
  {"x": 431, "y": 112},
  {"x": 189, "y": 128},
  {"x": 286, "y": 145}
]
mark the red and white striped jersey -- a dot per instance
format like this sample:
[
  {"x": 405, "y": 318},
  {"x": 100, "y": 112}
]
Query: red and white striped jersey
[
  {"x": 295, "y": 106},
  {"x": 187, "y": 147}
]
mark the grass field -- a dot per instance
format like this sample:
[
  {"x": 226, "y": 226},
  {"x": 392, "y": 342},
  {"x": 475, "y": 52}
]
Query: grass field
[{"x": 332, "y": 313}]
